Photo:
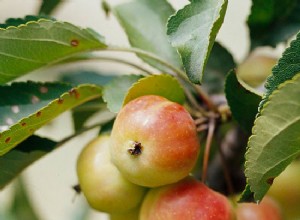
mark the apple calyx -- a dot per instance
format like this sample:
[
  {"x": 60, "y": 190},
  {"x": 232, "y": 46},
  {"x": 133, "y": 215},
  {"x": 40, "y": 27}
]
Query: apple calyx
[{"x": 136, "y": 148}]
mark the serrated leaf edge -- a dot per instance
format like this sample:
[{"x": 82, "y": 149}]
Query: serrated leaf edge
[
  {"x": 62, "y": 97},
  {"x": 276, "y": 72},
  {"x": 254, "y": 129}
]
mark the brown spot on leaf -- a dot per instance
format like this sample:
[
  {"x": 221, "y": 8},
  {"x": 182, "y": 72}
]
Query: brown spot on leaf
[
  {"x": 38, "y": 114},
  {"x": 7, "y": 140},
  {"x": 74, "y": 43},
  {"x": 60, "y": 101},
  {"x": 270, "y": 180},
  {"x": 75, "y": 93},
  {"x": 23, "y": 124}
]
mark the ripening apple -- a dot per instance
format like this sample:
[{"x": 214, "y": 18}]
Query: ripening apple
[
  {"x": 255, "y": 69},
  {"x": 268, "y": 209},
  {"x": 286, "y": 190},
  {"x": 154, "y": 141},
  {"x": 188, "y": 199},
  {"x": 101, "y": 182}
]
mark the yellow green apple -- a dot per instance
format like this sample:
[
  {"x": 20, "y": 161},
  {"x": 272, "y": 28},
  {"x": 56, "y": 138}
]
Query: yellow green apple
[
  {"x": 286, "y": 190},
  {"x": 132, "y": 214},
  {"x": 101, "y": 182}
]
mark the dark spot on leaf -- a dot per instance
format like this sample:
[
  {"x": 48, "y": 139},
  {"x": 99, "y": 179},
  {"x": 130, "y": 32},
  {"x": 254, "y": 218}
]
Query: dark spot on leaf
[
  {"x": 38, "y": 114},
  {"x": 74, "y": 43},
  {"x": 136, "y": 149},
  {"x": 270, "y": 180},
  {"x": 23, "y": 124},
  {"x": 60, "y": 101},
  {"x": 7, "y": 139},
  {"x": 75, "y": 93}
]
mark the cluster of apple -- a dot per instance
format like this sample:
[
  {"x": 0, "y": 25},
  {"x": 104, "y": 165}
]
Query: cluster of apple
[{"x": 141, "y": 171}]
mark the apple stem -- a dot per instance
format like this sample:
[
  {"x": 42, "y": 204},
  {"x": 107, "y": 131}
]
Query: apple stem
[
  {"x": 206, "y": 99},
  {"x": 210, "y": 135}
]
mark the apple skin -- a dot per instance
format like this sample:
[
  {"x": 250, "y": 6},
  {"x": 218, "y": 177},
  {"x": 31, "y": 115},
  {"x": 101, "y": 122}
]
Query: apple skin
[
  {"x": 268, "y": 209},
  {"x": 187, "y": 199},
  {"x": 286, "y": 190},
  {"x": 154, "y": 141},
  {"x": 132, "y": 214},
  {"x": 101, "y": 182},
  {"x": 256, "y": 68}
]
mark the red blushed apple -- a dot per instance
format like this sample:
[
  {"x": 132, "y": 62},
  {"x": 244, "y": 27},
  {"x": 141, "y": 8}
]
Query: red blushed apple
[
  {"x": 268, "y": 209},
  {"x": 101, "y": 182},
  {"x": 154, "y": 141},
  {"x": 187, "y": 199}
]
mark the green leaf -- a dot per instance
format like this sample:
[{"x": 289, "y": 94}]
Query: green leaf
[
  {"x": 247, "y": 195},
  {"x": 275, "y": 141},
  {"x": 242, "y": 100},
  {"x": 192, "y": 30},
  {"x": 273, "y": 21},
  {"x": 39, "y": 112},
  {"x": 115, "y": 91},
  {"x": 144, "y": 21},
  {"x": 83, "y": 112},
  {"x": 86, "y": 76},
  {"x": 287, "y": 67},
  {"x": 48, "y": 6},
  {"x": 19, "y": 21},
  {"x": 21, "y": 206},
  {"x": 26, "y": 98},
  {"x": 162, "y": 85},
  {"x": 41, "y": 43},
  {"x": 219, "y": 63},
  {"x": 27, "y": 152}
]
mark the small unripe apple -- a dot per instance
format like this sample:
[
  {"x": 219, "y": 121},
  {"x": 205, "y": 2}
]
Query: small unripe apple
[
  {"x": 268, "y": 209},
  {"x": 286, "y": 190},
  {"x": 154, "y": 141},
  {"x": 101, "y": 182},
  {"x": 255, "y": 69},
  {"x": 187, "y": 199}
]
